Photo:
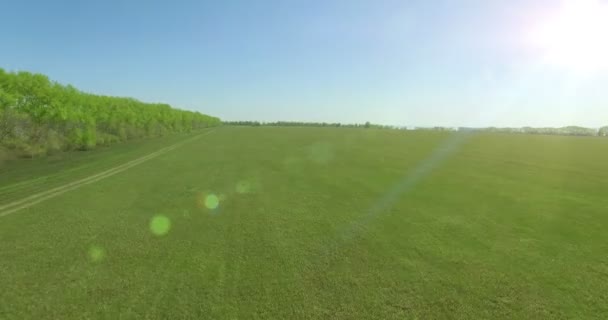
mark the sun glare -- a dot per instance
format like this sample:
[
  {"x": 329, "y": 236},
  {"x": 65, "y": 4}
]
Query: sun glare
[{"x": 575, "y": 36}]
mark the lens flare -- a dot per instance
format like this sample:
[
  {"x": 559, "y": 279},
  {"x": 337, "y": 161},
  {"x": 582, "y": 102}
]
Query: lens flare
[
  {"x": 160, "y": 225},
  {"x": 212, "y": 201},
  {"x": 243, "y": 187},
  {"x": 321, "y": 153},
  {"x": 96, "y": 253}
]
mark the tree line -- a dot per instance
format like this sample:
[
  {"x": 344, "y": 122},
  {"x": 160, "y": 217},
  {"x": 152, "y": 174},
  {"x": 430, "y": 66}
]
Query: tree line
[
  {"x": 306, "y": 124},
  {"x": 563, "y": 131},
  {"x": 39, "y": 116},
  {"x": 569, "y": 131}
]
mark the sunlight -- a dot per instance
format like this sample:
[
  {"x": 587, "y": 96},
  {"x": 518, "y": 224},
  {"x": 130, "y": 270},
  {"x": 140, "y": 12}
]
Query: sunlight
[{"x": 574, "y": 36}]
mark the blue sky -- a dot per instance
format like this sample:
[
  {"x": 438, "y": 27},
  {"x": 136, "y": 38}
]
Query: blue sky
[{"x": 419, "y": 63}]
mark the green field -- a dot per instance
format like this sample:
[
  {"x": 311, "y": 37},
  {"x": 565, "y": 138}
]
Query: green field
[{"x": 313, "y": 223}]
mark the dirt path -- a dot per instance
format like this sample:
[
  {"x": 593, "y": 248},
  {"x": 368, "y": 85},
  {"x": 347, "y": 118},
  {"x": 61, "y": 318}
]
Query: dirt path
[{"x": 45, "y": 195}]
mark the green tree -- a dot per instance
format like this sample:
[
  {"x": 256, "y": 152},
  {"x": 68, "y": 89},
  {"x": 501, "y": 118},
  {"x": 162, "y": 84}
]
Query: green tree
[{"x": 38, "y": 115}]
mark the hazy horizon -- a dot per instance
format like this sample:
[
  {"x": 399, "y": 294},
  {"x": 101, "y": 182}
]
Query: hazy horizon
[{"x": 469, "y": 63}]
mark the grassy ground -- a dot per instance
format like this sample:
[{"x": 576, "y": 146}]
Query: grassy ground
[
  {"x": 22, "y": 177},
  {"x": 311, "y": 223}
]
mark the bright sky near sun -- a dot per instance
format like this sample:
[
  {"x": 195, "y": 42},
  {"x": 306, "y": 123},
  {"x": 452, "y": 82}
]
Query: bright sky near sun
[{"x": 419, "y": 63}]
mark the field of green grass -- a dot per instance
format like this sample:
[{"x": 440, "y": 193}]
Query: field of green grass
[{"x": 313, "y": 223}]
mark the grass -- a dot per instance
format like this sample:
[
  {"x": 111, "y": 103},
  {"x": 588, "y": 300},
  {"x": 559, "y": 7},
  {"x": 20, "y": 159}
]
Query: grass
[
  {"x": 319, "y": 223},
  {"x": 22, "y": 177}
]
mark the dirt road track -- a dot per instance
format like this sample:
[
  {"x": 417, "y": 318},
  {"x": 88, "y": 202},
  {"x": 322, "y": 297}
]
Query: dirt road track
[{"x": 45, "y": 195}]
